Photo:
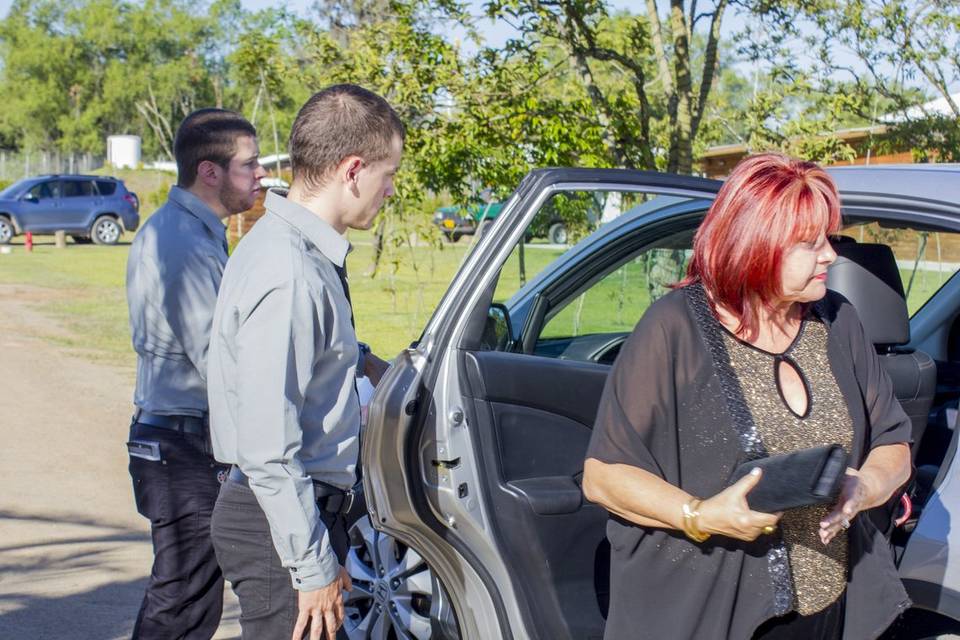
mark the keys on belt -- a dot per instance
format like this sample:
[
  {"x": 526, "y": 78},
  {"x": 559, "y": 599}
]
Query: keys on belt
[
  {"x": 329, "y": 498},
  {"x": 186, "y": 424}
]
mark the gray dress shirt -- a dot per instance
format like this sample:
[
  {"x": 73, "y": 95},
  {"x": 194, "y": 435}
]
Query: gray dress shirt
[
  {"x": 173, "y": 273},
  {"x": 283, "y": 358}
]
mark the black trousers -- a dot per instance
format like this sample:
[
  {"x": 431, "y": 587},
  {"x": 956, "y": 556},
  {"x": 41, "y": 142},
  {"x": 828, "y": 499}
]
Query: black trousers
[
  {"x": 184, "y": 596},
  {"x": 241, "y": 537},
  {"x": 823, "y": 625}
]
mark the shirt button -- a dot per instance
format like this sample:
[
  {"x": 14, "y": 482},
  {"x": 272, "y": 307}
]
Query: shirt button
[{"x": 299, "y": 581}]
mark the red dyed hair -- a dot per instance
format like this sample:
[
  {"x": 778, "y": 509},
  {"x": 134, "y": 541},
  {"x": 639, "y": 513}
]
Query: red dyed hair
[{"x": 769, "y": 203}]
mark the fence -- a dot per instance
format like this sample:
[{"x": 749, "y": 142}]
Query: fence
[{"x": 15, "y": 165}]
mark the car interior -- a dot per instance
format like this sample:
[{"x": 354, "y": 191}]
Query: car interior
[{"x": 538, "y": 385}]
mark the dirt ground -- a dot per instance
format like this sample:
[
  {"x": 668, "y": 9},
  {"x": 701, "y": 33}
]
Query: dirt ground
[{"x": 74, "y": 553}]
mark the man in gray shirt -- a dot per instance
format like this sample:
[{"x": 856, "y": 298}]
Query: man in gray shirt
[
  {"x": 283, "y": 361},
  {"x": 173, "y": 274}
]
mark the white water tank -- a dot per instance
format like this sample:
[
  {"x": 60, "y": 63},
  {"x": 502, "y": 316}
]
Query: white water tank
[{"x": 123, "y": 152}]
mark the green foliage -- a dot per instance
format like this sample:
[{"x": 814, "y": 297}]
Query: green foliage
[{"x": 75, "y": 71}]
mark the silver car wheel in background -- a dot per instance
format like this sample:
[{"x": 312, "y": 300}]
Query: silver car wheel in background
[
  {"x": 106, "y": 231},
  {"x": 6, "y": 231},
  {"x": 392, "y": 588}
]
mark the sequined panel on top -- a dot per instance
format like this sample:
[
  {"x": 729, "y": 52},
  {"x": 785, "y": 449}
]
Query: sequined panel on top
[
  {"x": 819, "y": 572},
  {"x": 742, "y": 419}
]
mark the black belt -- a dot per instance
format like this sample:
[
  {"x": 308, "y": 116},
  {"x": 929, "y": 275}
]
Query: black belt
[
  {"x": 184, "y": 424},
  {"x": 329, "y": 498}
]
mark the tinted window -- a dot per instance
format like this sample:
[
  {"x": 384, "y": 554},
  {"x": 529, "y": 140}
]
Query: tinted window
[
  {"x": 45, "y": 190},
  {"x": 106, "y": 187},
  {"x": 77, "y": 188},
  {"x": 926, "y": 259}
]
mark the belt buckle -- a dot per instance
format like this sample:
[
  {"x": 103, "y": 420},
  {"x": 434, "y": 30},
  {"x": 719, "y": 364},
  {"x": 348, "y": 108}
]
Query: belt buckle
[{"x": 348, "y": 497}]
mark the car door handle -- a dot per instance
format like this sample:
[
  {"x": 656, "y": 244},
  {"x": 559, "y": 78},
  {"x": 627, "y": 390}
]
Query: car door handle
[{"x": 551, "y": 495}]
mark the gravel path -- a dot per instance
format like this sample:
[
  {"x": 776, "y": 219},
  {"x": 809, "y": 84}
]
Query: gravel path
[{"x": 74, "y": 553}]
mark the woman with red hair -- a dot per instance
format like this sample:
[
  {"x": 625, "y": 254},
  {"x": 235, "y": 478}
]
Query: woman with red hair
[{"x": 749, "y": 357}]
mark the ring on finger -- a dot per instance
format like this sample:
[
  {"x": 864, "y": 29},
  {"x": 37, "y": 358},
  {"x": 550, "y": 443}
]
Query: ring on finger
[{"x": 767, "y": 530}]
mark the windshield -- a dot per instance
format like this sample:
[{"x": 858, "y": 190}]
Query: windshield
[{"x": 12, "y": 190}]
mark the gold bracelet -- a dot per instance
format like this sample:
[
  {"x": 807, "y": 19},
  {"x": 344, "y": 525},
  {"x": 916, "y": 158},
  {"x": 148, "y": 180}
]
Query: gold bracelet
[{"x": 691, "y": 524}]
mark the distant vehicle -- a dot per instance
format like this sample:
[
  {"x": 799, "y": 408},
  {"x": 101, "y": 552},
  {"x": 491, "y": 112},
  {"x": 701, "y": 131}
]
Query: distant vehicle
[
  {"x": 561, "y": 221},
  {"x": 459, "y": 220},
  {"x": 88, "y": 208}
]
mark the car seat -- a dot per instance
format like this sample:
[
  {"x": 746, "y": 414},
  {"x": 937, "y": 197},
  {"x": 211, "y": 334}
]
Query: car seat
[{"x": 868, "y": 276}]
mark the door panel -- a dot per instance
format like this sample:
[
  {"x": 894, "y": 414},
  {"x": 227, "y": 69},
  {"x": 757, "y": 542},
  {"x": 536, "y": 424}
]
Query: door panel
[{"x": 541, "y": 412}]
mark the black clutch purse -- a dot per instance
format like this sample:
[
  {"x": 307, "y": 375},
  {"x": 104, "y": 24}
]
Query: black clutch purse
[{"x": 805, "y": 477}]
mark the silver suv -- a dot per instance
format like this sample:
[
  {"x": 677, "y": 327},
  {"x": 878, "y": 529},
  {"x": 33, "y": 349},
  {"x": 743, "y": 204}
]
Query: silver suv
[{"x": 476, "y": 437}]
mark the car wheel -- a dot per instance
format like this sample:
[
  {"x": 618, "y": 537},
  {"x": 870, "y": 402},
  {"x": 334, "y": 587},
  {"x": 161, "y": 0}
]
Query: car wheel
[
  {"x": 452, "y": 237},
  {"x": 393, "y": 588},
  {"x": 557, "y": 233},
  {"x": 106, "y": 230},
  {"x": 81, "y": 239},
  {"x": 6, "y": 231}
]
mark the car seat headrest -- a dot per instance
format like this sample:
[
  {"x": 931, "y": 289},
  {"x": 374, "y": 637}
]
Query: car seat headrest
[{"x": 867, "y": 276}]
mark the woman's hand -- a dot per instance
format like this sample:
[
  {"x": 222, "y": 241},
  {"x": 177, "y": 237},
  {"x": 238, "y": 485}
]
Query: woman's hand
[
  {"x": 885, "y": 470},
  {"x": 852, "y": 500},
  {"x": 728, "y": 514}
]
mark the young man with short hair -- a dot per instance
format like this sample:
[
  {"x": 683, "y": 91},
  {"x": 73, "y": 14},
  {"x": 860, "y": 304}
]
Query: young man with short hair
[
  {"x": 283, "y": 364},
  {"x": 174, "y": 269}
]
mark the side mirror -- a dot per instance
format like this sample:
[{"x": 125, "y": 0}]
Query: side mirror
[
  {"x": 31, "y": 198},
  {"x": 497, "y": 332}
]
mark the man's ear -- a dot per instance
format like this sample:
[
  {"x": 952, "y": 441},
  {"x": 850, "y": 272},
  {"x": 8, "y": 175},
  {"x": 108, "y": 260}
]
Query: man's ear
[
  {"x": 351, "y": 167},
  {"x": 208, "y": 173}
]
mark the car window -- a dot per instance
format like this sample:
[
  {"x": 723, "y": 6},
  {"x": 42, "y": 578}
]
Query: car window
[
  {"x": 77, "y": 188},
  {"x": 617, "y": 300},
  {"x": 580, "y": 304},
  {"x": 926, "y": 259},
  {"x": 45, "y": 190},
  {"x": 106, "y": 187}
]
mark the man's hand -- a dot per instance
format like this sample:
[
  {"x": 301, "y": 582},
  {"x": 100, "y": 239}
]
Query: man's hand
[
  {"x": 322, "y": 609},
  {"x": 374, "y": 368}
]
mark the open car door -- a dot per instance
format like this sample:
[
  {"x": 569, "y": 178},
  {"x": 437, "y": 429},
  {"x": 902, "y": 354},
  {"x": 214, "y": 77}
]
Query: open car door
[{"x": 475, "y": 443}]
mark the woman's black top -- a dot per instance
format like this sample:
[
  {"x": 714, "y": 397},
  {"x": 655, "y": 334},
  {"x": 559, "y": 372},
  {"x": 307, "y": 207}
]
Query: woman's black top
[{"x": 673, "y": 406}]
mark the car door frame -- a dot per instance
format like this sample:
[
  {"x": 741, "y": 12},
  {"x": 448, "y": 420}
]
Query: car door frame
[{"x": 418, "y": 414}]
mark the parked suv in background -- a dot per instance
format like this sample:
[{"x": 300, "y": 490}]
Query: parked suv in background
[{"x": 88, "y": 208}]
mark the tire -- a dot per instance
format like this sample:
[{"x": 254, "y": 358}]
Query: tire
[
  {"x": 378, "y": 563},
  {"x": 106, "y": 230},
  {"x": 451, "y": 236},
  {"x": 557, "y": 233},
  {"x": 6, "y": 230},
  {"x": 82, "y": 239}
]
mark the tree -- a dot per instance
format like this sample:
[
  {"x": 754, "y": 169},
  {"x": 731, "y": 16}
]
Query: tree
[
  {"x": 886, "y": 58},
  {"x": 653, "y": 111},
  {"x": 75, "y": 71}
]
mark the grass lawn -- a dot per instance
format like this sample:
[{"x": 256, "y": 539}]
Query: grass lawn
[{"x": 87, "y": 282}]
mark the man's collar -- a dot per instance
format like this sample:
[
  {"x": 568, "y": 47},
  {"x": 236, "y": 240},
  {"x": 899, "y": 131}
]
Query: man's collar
[
  {"x": 199, "y": 208},
  {"x": 322, "y": 235}
]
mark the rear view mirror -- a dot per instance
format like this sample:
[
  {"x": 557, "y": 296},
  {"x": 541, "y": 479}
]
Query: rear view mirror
[{"x": 497, "y": 331}]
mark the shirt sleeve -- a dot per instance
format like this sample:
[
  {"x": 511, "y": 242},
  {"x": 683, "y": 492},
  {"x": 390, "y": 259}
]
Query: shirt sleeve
[
  {"x": 188, "y": 302},
  {"x": 637, "y": 408},
  {"x": 888, "y": 423},
  {"x": 276, "y": 347}
]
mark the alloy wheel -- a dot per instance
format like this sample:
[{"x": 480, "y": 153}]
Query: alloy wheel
[
  {"x": 392, "y": 588},
  {"x": 107, "y": 231},
  {"x": 6, "y": 231}
]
